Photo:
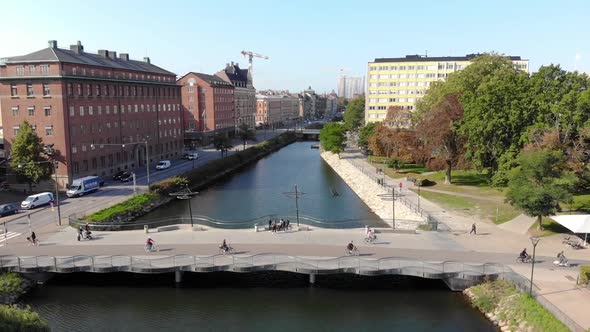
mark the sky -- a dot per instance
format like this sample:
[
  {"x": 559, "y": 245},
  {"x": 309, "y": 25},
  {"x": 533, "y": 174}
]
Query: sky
[{"x": 309, "y": 43}]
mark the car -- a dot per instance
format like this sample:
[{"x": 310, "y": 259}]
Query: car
[
  {"x": 118, "y": 175},
  {"x": 37, "y": 200},
  {"x": 163, "y": 164},
  {"x": 8, "y": 209},
  {"x": 126, "y": 177},
  {"x": 191, "y": 155}
]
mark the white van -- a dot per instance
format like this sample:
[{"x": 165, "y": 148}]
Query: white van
[
  {"x": 191, "y": 156},
  {"x": 163, "y": 164},
  {"x": 37, "y": 200}
]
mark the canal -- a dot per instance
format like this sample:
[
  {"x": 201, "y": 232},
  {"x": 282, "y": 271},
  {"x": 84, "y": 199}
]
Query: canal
[
  {"x": 265, "y": 190},
  {"x": 232, "y": 302}
]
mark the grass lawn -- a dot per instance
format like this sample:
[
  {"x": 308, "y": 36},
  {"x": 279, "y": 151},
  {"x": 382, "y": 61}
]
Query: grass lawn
[
  {"x": 550, "y": 227},
  {"x": 581, "y": 203},
  {"x": 495, "y": 211}
]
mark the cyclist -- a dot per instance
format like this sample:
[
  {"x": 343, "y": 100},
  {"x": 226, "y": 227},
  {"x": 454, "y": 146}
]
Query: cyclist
[
  {"x": 350, "y": 247},
  {"x": 149, "y": 244},
  {"x": 372, "y": 236},
  {"x": 524, "y": 255},
  {"x": 224, "y": 246}
]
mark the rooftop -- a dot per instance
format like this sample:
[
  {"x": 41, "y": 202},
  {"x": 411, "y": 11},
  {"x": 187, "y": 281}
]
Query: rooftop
[
  {"x": 76, "y": 54},
  {"x": 421, "y": 58}
]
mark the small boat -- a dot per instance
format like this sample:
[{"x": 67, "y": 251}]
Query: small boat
[
  {"x": 334, "y": 192},
  {"x": 315, "y": 146}
]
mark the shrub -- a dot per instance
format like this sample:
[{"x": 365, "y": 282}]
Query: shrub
[
  {"x": 394, "y": 163},
  {"x": 132, "y": 205},
  {"x": 424, "y": 183},
  {"x": 167, "y": 186},
  {"x": 584, "y": 274},
  {"x": 14, "y": 319},
  {"x": 10, "y": 283}
]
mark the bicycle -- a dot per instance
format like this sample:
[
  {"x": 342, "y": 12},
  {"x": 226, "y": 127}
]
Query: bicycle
[
  {"x": 371, "y": 240},
  {"x": 33, "y": 243},
  {"x": 152, "y": 248},
  {"x": 527, "y": 259},
  {"x": 353, "y": 252},
  {"x": 227, "y": 250}
]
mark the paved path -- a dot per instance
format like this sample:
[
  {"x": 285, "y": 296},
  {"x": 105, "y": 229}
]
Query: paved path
[
  {"x": 452, "y": 193},
  {"x": 520, "y": 224}
]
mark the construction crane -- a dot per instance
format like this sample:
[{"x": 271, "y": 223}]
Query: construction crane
[{"x": 251, "y": 55}]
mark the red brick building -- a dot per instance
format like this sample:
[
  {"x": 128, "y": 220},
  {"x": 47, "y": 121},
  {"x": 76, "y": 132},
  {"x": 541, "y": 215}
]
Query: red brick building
[
  {"x": 78, "y": 101},
  {"x": 207, "y": 104}
]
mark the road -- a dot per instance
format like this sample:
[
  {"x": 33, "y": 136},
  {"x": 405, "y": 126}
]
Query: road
[{"x": 113, "y": 192}]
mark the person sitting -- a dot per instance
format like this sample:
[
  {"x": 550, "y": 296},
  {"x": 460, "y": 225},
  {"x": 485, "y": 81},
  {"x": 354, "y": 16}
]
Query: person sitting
[
  {"x": 524, "y": 255},
  {"x": 149, "y": 243}
]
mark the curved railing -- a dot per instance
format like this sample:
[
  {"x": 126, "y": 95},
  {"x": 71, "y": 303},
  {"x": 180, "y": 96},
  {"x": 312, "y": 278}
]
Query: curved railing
[
  {"x": 253, "y": 263},
  {"x": 261, "y": 221}
]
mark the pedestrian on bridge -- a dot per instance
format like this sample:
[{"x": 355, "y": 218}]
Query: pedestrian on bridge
[{"x": 473, "y": 230}]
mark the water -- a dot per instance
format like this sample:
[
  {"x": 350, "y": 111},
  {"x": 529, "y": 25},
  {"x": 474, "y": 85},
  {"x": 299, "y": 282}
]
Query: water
[
  {"x": 262, "y": 189},
  {"x": 414, "y": 307}
]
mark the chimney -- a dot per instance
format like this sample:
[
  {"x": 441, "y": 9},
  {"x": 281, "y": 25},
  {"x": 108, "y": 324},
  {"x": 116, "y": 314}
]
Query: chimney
[
  {"x": 52, "y": 44},
  {"x": 147, "y": 60},
  {"x": 78, "y": 48},
  {"x": 124, "y": 56},
  {"x": 112, "y": 55},
  {"x": 103, "y": 53}
]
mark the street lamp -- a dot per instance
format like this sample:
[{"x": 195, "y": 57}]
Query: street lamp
[
  {"x": 147, "y": 155},
  {"x": 186, "y": 194},
  {"x": 53, "y": 168},
  {"x": 295, "y": 194},
  {"x": 534, "y": 241}
]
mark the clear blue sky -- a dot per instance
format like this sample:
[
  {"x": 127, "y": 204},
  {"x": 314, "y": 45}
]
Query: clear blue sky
[{"x": 307, "y": 41}]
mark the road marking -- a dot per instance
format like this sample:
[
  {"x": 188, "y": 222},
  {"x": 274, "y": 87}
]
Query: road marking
[{"x": 8, "y": 236}]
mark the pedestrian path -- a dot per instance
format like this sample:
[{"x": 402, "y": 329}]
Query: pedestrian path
[
  {"x": 7, "y": 236},
  {"x": 520, "y": 224}
]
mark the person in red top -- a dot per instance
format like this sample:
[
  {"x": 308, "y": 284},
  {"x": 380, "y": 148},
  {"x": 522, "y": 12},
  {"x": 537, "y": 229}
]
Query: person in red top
[{"x": 149, "y": 243}]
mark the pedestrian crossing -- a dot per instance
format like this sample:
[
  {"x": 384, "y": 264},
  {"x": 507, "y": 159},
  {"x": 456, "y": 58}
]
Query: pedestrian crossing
[{"x": 7, "y": 236}]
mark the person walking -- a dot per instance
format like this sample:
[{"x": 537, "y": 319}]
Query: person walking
[{"x": 473, "y": 229}]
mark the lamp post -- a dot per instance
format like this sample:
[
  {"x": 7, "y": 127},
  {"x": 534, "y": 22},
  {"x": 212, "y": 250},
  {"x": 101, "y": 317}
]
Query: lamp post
[
  {"x": 53, "y": 168},
  {"x": 534, "y": 241},
  {"x": 295, "y": 194},
  {"x": 147, "y": 155},
  {"x": 186, "y": 194}
]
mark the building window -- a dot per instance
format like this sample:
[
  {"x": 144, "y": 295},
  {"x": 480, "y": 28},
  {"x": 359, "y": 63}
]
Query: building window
[
  {"x": 13, "y": 90},
  {"x": 76, "y": 167},
  {"x": 31, "y": 69},
  {"x": 44, "y": 69},
  {"x": 70, "y": 89},
  {"x": 99, "y": 109},
  {"x": 81, "y": 110},
  {"x": 15, "y": 111},
  {"x": 20, "y": 70},
  {"x": 84, "y": 165},
  {"x": 47, "y": 110},
  {"x": 30, "y": 91},
  {"x": 98, "y": 90},
  {"x": 89, "y": 89},
  {"x": 90, "y": 110},
  {"x": 48, "y": 130},
  {"x": 46, "y": 91},
  {"x": 79, "y": 88},
  {"x": 31, "y": 110},
  {"x": 15, "y": 130},
  {"x": 74, "y": 149}
]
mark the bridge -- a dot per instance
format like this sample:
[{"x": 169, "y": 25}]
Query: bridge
[
  {"x": 313, "y": 134},
  {"x": 457, "y": 275}
]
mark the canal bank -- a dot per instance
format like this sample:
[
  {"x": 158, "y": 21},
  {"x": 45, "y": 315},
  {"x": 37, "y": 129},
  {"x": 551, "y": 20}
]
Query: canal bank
[{"x": 372, "y": 194}]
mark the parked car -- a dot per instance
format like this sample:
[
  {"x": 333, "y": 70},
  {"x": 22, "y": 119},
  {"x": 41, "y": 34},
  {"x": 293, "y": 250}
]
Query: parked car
[
  {"x": 118, "y": 175},
  {"x": 163, "y": 164},
  {"x": 126, "y": 177},
  {"x": 8, "y": 209},
  {"x": 37, "y": 200}
]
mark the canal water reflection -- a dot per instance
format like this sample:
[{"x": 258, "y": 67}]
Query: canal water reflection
[{"x": 259, "y": 190}]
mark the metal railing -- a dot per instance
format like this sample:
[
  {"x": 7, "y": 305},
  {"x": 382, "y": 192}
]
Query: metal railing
[{"x": 258, "y": 262}]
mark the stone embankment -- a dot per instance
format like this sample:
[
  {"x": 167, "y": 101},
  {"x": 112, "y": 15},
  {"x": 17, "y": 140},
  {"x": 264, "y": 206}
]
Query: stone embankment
[{"x": 368, "y": 191}]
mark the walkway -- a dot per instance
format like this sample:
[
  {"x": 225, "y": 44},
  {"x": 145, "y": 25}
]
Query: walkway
[{"x": 520, "y": 224}]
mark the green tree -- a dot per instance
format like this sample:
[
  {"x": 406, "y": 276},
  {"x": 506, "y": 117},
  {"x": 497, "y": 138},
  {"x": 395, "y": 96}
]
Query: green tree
[
  {"x": 26, "y": 159},
  {"x": 222, "y": 143},
  {"x": 342, "y": 102},
  {"x": 332, "y": 137},
  {"x": 354, "y": 115},
  {"x": 540, "y": 183},
  {"x": 367, "y": 131},
  {"x": 245, "y": 133}
]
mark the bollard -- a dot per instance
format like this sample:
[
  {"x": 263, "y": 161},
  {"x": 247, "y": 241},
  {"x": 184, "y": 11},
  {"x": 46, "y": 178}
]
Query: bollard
[
  {"x": 312, "y": 278},
  {"x": 146, "y": 229},
  {"x": 178, "y": 276},
  {"x": 256, "y": 228}
]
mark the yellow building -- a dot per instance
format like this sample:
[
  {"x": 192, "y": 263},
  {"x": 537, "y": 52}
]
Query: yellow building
[{"x": 404, "y": 81}]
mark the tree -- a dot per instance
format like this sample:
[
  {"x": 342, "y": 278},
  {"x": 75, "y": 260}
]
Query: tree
[
  {"x": 354, "y": 115},
  {"x": 26, "y": 158},
  {"x": 222, "y": 142},
  {"x": 437, "y": 132},
  {"x": 332, "y": 137},
  {"x": 540, "y": 183},
  {"x": 245, "y": 134},
  {"x": 365, "y": 133},
  {"x": 342, "y": 102}
]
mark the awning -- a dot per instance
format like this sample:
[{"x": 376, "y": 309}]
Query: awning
[{"x": 577, "y": 223}]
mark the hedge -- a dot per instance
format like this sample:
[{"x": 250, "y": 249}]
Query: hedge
[
  {"x": 132, "y": 205},
  {"x": 14, "y": 319}
]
